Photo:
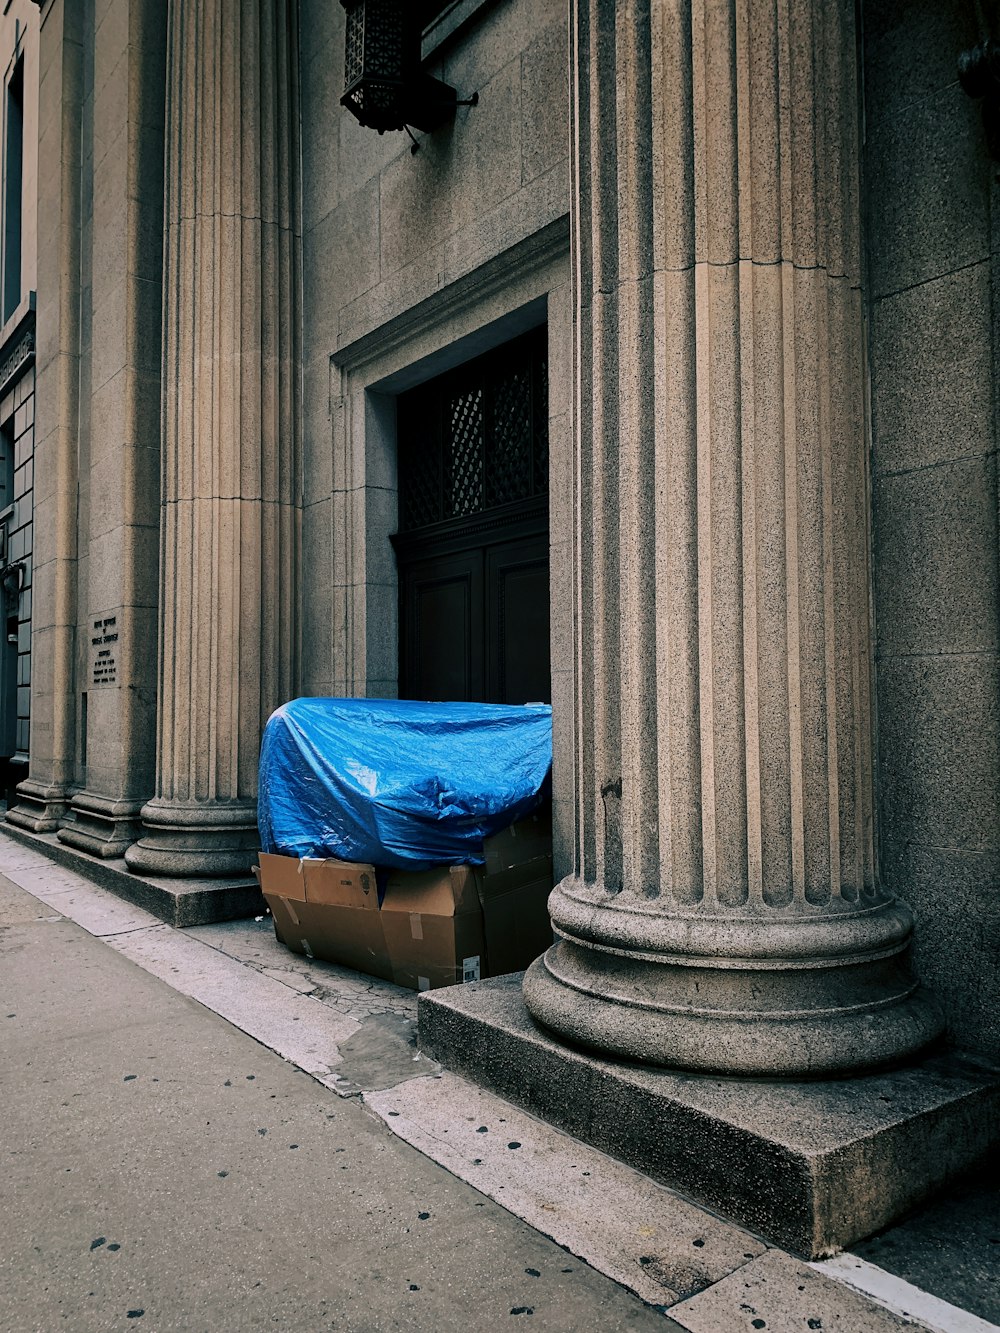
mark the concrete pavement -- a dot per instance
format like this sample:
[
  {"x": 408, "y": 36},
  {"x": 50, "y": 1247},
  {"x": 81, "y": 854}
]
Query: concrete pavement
[
  {"x": 139, "y": 1178},
  {"x": 164, "y": 1171}
]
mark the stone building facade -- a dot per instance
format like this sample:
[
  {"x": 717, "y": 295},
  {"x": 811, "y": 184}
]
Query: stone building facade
[
  {"x": 730, "y": 267},
  {"x": 19, "y": 63}
]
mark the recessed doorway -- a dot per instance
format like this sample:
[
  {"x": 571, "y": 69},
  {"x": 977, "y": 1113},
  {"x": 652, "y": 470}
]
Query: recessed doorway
[{"x": 473, "y": 542}]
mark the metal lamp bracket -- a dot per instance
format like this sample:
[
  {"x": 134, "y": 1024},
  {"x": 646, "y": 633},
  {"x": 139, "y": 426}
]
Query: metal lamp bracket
[{"x": 460, "y": 101}]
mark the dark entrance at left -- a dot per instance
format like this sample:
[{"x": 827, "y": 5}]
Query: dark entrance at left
[{"x": 472, "y": 546}]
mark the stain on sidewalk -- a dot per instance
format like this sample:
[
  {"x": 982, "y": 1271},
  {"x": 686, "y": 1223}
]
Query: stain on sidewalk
[{"x": 381, "y": 1054}]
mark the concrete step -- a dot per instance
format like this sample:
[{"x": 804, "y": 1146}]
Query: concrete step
[
  {"x": 813, "y": 1166},
  {"x": 179, "y": 902}
]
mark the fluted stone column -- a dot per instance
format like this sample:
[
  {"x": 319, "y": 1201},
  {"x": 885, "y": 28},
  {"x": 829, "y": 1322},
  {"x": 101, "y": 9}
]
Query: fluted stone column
[
  {"x": 120, "y": 433},
  {"x": 231, "y": 474},
  {"x": 43, "y": 797},
  {"x": 725, "y": 910}
]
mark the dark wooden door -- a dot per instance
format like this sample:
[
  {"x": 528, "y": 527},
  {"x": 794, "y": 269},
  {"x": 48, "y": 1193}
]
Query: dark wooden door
[
  {"x": 517, "y": 621},
  {"x": 443, "y": 649},
  {"x": 472, "y": 550},
  {"x": 475, "y": 622}
]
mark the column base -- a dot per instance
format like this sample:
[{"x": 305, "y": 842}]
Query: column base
[
  {"x": 196, "y": 838},
  {"x": 814, "y": 1166},
  {"x": 620, "y": 1012},
  {"x": 41, "y": 807},
  {"x": 101, "y": 826},
  {"x": 793, "y": 992}
]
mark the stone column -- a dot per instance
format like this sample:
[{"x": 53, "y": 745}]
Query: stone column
[
  {"x": 229, "y": 537},
  {"x": 725, "y": 911},
  {"x": 119, "y": 503},
  {"x": 45, "y": 794}
]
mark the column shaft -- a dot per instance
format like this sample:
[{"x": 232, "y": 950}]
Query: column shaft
[
  {"x": 231, "y": 471},
  {"x": 44, "y": 796},
  {"x": 725, "y": 911},
  {"x": 120, "y": 421}
]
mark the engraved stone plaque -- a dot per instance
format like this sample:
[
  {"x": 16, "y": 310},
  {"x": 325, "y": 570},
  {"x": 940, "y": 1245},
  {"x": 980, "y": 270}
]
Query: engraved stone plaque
[{"x": 103, "y": 643}]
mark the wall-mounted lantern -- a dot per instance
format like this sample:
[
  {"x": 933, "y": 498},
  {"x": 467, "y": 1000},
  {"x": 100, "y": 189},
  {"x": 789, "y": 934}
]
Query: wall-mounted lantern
[{"x": 385, "y": 88}]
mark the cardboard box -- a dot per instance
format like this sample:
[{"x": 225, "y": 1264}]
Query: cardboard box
[
  {"x": 526, "y": 840},
  {"x": 327, "y": 909},
  {"x": 516, "y": 915},
  {"x": 435, "y": 927},
  {"x": 433, "y": 924},
  {"x": 460, "y": 924}
]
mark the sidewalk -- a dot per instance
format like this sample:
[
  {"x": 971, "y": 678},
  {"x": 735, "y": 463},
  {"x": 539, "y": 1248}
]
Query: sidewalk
[
  {"x": 161, "y": 1160},
  {"x": 165, "y": 1171}
]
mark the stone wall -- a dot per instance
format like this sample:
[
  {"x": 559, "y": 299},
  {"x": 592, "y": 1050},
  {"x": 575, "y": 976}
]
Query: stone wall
[
  {"x": 412, "y": 263},
  {"x": 932, "y": 257},
  {"x": 97, "y": 434},
  {"x": 42, "y": 798},
  {"x": 117, "y": 421},
  {"x": 387, "y": 227},
  {"x": 101, "y": 616}
]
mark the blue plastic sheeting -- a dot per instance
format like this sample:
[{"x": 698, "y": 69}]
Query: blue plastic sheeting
[{"x": 396, "y": 782}]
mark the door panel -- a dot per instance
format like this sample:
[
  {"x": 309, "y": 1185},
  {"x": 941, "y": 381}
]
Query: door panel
[
  {"x": 517, "y": 621},
  {"x": 442, "y": 636}
]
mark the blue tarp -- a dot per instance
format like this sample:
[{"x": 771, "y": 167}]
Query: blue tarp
[{"x": 399, "y": 783}]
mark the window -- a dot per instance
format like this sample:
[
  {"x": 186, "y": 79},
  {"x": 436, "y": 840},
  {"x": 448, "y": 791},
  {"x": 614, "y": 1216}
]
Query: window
[
  {"x": 6, "y": 465},
  {"x": 13, "y": 174},
  {"x": 476, "y": 438}
]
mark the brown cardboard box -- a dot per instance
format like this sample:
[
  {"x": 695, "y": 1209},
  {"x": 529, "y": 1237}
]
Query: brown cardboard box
[
  {"x": 433, "y": 925},
  {"x": 327, "y": 909},
  {"x": 459, "y": 924},
  {"x": 524, "y": 841},
  {"x": 436, "y": 927},
  {"x": 516, "y": 915}
]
